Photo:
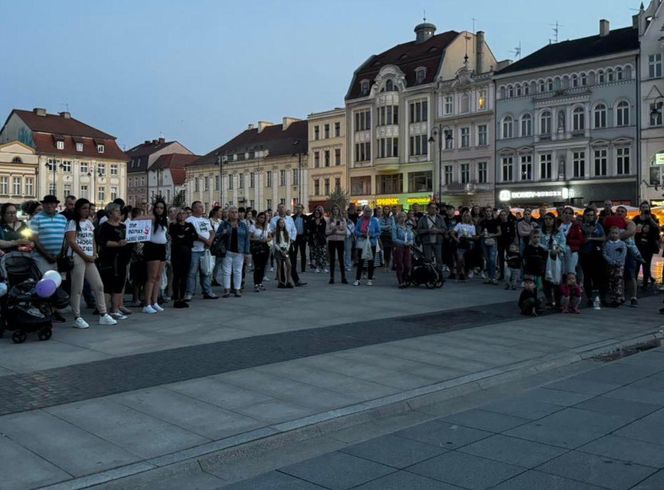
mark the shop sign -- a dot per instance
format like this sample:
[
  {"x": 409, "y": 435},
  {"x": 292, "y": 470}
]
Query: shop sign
[
  {"x": 659, "y": 158},
  {"x": 656, "y": 203},
  {"x": 387, "y": 201},
  {"x": 507, "y": 195},
  {"x": 422, "y": 198}
]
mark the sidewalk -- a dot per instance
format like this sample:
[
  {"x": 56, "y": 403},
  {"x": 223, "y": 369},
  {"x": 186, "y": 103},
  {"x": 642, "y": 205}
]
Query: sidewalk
[{"x": 600, "y": 429}]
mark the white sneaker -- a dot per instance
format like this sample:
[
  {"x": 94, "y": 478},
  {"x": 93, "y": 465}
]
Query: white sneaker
[
  {"x": 271, "y": 269},
  {"x": 317, "y": 271},
  {"x": 118, "y": 316},
  {"x": 107, "y": 320},
  {"x": 80, "y": 323},
  {"x": 369, "y": 282},
  {"x": 149, "y": 310},
  {"x": 157, "y": 308},
  {"x": 327, "y": 271},
  {"x": 356, "y": 283},
  {"x": 187, "y": 297}
]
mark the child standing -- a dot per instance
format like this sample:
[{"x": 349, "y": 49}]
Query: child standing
[
  {"x": 615, "y": 252},
  {"x": 570, "y": 294},
  {"x": 534, "y": 257},
  {"x": 514, "y": 264}
]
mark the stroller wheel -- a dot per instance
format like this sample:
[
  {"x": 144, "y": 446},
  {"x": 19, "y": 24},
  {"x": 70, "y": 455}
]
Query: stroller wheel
[
  {"x": 19, "y": 336},
  {"x": 45, "y": 334}
]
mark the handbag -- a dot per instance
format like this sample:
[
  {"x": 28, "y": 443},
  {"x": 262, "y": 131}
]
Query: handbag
[
  {"x": 207, "y": 263},
  {"x": 65, "y": 263},
  {"x": 554, "y": 270},
  {"x": 367, "y": 253},
  {"x": 218, "y": 248}
]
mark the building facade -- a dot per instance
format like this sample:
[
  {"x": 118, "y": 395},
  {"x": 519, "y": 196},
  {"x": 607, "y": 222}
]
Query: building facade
[
  {"x": 18, "y": 172},
  {"x": 650, "y": 23},
  {"x": 566, "y": 122},
  {"x": 73, "y": 158},
  {"x": 261, "y": 168},
  {"x": 390, "y": 116},
  {"x": 140, "y": 189},
  {"x": 327, "y": 156},
  {"x": 167, "y": 175}
]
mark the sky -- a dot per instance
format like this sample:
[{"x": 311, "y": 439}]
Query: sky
[{"x": 200, "y": 71}]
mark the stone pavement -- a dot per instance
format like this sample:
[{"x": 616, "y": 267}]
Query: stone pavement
[
  {"x": 603, "y": 428},
  {"x": 113, "y": 405}
]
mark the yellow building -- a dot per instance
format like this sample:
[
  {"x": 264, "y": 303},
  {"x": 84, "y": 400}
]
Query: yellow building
[
  {"x": 327, "y": 155},
  {"x": 18, "y": 172}
]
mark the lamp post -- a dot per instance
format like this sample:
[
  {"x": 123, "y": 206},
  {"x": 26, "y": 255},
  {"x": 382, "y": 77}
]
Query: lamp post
[
  {"x": 94, "y": 173},
  {"x": 296, "y": 143},
  {"x": 53, "y": 167},
  {"x": 220, "y": 163},
  {"x": 439, "y": 134}
]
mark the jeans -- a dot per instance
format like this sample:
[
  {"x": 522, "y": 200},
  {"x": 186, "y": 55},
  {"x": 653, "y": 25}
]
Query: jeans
[
  {"x": 434, "y": 250},
  {"x": 206, "y": 279},
  {"x": 336, "y": 247},
  {"x": 490, "y": 253},
  {"x": 402, "y": 263},
  {"x": 571, "y": 261},
  {"x": 232, "y": 264},
  {"x": 348, "y": 248}
]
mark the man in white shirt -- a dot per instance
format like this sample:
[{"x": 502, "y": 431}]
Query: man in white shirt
[
  {"x": 205, "y": 233},
  {"x": 292, "y": 234}
]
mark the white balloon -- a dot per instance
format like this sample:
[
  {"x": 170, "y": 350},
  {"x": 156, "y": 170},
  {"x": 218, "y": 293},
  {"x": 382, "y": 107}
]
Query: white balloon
[
  {"x": 3, "y": 288},
  {"x": 54, "y": 276}
]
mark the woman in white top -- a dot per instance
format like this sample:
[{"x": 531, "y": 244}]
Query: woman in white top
[
  {"x": 80, "y": 236},
  {"x": 465, "y": 236},
  {"x": 154, "y": 254},
  {"x": 280, "y": 246},
  {"x": 259, "y": 235}
]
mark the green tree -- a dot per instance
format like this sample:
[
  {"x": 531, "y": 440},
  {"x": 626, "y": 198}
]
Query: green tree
[
  {"x": 179, "y": 199},
  {"x": 338, "y": 197}
]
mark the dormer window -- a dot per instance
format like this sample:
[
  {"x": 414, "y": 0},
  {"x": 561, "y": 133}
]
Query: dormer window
[
  {"x": 60, "y": 145},
  {"x": 100, "y": 148},
  {"x": 364, "y": 87},
  {"x": 79, "y": 146},
  {"x": 420, "y": 75},
  {"x": 389, "y": 86}
]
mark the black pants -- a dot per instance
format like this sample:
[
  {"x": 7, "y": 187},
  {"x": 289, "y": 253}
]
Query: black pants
[
  {"x": 180, "y": 261},
  {"x": 387, "y": 253},
  {"x": 300, "y": 247},
  {"x": 594, "y": 274},
  {"x": 502, "y": 249},
  {"x": 647, "y": 256},
  {"x": 338, "y": 248},
  {"x": 260, "y": 261},
  {"x": 292, "y": 254},
  {"x": 370, "y": 266}
]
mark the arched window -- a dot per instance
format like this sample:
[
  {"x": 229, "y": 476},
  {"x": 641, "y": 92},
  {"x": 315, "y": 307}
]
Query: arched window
[
  {"x": 601, "y": 78},
  {"x": 619, "y": 73},
  {"x": 465, "y": 103},
  {"x": 583, "y": 80},
  {"x": 609, "y": 75},
  {"x": 541, "y": 87},
  {"x": 545, "y": 122},
  {"x": 575, "y": 81},
  {"x": 17, "y": 160},
  {"x": 502, "y": 92},
  {"x": 526, "y": 125},
  {"x": 578, "y": 119},
  {"x": 622, "y": 113},
  {"x": 549, "y": 85},
  {"x": 600, "y": 116},
  {"x": 389, "y": 86},
  {"x": 526, "y": 89},
  {"x": 508, "y": 127},
  {"x": 510, "y": 91}
]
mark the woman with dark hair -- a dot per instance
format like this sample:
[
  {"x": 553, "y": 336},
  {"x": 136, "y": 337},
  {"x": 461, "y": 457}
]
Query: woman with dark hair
[
  {"x": 10, "y": 229},
  {"x": 554, "y": 241},
  {"x": 590, "y": 256},
  {"x": 30, "y": 209},
  {"x": 182, "y": 236},
  {"x": 154, "y": 254},
  {"x": 280, "y": 245},
  {"x": 80, "y": 236},
  {"x": 507, "y": 237},
  {"x": 114, "y": 255},
  {"x": 318, "y": 240},
  {"x": 336, "y": 235},
  {"x": 647, "y": 240},
  {"x": 260, "y": 250}
]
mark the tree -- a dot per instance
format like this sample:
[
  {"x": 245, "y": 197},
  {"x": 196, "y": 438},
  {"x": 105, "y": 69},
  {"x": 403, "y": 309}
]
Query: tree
[
  {"x": 338, "y": 197},
  {"x": 179, "y": 199}
]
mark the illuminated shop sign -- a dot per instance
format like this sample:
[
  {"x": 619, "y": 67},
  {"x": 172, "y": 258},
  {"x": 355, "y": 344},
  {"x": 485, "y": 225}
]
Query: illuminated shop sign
[{"x": 507, "y": 195}]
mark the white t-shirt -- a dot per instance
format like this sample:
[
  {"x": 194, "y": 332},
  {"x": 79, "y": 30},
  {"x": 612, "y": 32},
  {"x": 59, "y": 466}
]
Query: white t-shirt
[
  {"x": 203, "y": 227},
  {"x": 258, "y": 233},
  {"x": 464, "y": 230},
  {"x": 85, "y": 237},
  {"x": 159, "y": 236}
]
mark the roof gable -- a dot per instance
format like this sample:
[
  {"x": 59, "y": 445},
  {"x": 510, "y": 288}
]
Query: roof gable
[{"x": 59, "y": 124}]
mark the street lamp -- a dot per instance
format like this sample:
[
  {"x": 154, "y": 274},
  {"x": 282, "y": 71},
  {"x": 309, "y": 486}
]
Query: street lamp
[
  {"x": 220, "y": 163},
  {"x": 53, "y": 167},
  {"x": 296, "y": 143},
  {"x": 439, "y": 134},
  {"x": 94, "y": 174}
]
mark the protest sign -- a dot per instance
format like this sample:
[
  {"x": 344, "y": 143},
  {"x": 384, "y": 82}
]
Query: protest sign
[{"x": 139, "y": 230}]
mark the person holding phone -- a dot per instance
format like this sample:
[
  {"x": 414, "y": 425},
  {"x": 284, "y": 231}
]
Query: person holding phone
[{"x": 336, "y": 236}]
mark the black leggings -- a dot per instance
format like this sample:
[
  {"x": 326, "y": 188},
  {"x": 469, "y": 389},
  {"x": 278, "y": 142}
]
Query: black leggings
[
  {"x": 338, "y": 247},
  {"x": 180, "y": 261},
  {"x": 360, "y": 264},
  {"x": 594, "y": 275},
  {"x": 260, "y": 261}
]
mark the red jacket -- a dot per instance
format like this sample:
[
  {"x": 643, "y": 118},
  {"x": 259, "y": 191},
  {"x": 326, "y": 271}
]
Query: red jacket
[{"x": 576, "y": 238}]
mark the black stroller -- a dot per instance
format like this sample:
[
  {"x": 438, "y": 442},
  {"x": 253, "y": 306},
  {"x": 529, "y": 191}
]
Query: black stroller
[
  {"x": 24, "y": 312},
  {"x": 424, "y": 271}
]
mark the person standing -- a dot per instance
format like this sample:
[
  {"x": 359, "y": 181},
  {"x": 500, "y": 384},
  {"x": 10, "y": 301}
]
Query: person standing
[
  {"x": 647, "y": 240},
  {"x": 507, "y": 237},
  {"x": 491, "y": 233},
  {"x": 68, "y": 212},
  {"x": 235, "y": 234},
  {"x": 80, "y": 235},
  {"x": 336, "y": 236},
  {"x": 402, "y": 238},
  {"x": 386, "y": 223},
  {"x": 317, "y": 240},
  {"x": 465, "y": 235},
  {"x": 281, "y": 245},
  {"x": 431, "y": 230},
  {"x": 614, "y": 253},
  {"x": 114, "y": 255},
  {"x": 590, "y": 257},
  {"x": 367, "y": 232},
  {"x": 260, "y": 250},
  {"x": 154, "y": 254},
  {"x": 182, "y": 236},
  {"x": 204, "y": 239},
  {"x": 301, "y": 224},
  {"x": 292, "y": 236}
]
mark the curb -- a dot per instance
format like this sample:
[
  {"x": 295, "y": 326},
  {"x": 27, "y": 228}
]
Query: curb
[{"x": 207, "y": 457}]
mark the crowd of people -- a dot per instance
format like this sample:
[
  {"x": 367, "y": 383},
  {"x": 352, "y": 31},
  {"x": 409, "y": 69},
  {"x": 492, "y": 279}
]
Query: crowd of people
[{"x": 557, "y": 259}]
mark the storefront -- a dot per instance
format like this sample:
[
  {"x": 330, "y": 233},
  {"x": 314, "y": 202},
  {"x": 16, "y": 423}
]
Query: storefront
[
  {"x": 575, "y": 194},
  {"x": 401, "y": 201}
]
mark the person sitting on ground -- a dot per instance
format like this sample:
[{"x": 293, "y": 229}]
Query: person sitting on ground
[
  {"x": 570, "y": 294},
  {"x": 529, "y": 302}
]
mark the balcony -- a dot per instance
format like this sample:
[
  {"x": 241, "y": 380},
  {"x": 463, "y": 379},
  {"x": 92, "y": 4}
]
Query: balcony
[
  {"x": 469, "y": 189},
  {"x": 387, "y": 164}
]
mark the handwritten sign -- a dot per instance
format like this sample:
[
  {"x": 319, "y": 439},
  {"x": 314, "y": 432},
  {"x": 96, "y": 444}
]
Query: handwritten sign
[{"x": 139, "y": 230}]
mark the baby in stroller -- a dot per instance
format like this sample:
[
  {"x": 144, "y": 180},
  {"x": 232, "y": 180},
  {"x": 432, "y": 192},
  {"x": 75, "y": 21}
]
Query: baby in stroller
[{"x": 424, "y": 271}]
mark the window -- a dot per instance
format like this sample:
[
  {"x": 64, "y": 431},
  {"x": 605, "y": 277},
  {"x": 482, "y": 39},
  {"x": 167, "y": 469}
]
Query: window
[
  {"x": 601, "y": 78},
  {"x": 465, "y": 103},
  {"x": 268, "y": 178},
  {"x": 578, "y": 119},
  {"x": 337, "y": 156},
  {"x": 583, "y": 80},
  {"x": 481, "y": 100},
  {"x": 622, "y": 113},
  {"x": 465, "y": 137},
  {"x": 67, "y": 189},
  {"x": 79, "y": 146},
  {"x": 482, "y": 172},
  {"x": 389, "y": 86},
  {"x": 114, "y": 169},
  {"x": 206, "y": 184},
  {"x": 268, "y": 203},
  {"x": 507, "y": 127},
  {"x": 601, "y": 162},
  {"x": 29, "y": 186},
  {"x": 337, "y": 183},
  {"x": 600, "y": 116},
  {"x": 507, "y": 166},
  {"x": 196, "y": 184},
  {"x": 387, "y": 115},
  {"x": 388, "y": 147},
  {"x": 282, "y": 178},
  {"x": 420, "y": 182},
  {"x": 326, "y": 131},
  {"x": 526, "y": 125},
  {"x": 465, "y": 173},
  {"x": 66, "y": 166},
  {"x": 420, "y": 75},
  {"x": 60, "y": 145},
  {"x": 545, "y": 123},
  {"x": 526, "y": 89},
  {"x": 579, "y": 163},
  {"x": 518, "y": 89},
  {"x": 84, "y": 191},
  {"x": 549, "y": 85},
  {"x": 362, "y": 152},
  {"x": 316, "y": 159},
  {"x": 619, "y": 73},
  {"x": 419, "y": 145},
  {"x": 390, "y": 184},
  {"x": 100, "y": 149},
  {"x": 482, "y": 135},
  {"x": 316, "y": 132},
  {"x": 84, "y": 167},
  {"x": 216, "y": 182},
  {"x": 296, "y": 177},
  {"x": 252, "y": 180},
  {"x": 575, "y": 81},
  {"x": 52, "y": 189},
  {"x": 448, "y": 106},
  {"x": 449, "y": 173},
  {"x": 364, "y": 87},
  {"x": 609, "y": 75},
  {"x": 526, "y": 167},
  {"x": 327, "y": 186},
  {"x": 327, "y": 158},
  {"x": 101, "y": 169},
  {"x": 545, "y": 166},
  {"x": 231, "y": 182},
  {"x": 419, "y": 111},
  {"x": 656, "y": 110},
  {"x": 114, "y": 193},
  {"x": 16, "y": 186},
  {"x": 622, "y": 160},
  {"x": 449, "y": 139},
  {"x": 337, "y": 129},
  {"x": 541, "y": 87},
  {"x": 101, "y": 194},
  {"x": 510, "y": 91},
  {"x": 360, "y": 186},
  {"x": 362, "y": 120},
  {"x": 655, "y": 65}
]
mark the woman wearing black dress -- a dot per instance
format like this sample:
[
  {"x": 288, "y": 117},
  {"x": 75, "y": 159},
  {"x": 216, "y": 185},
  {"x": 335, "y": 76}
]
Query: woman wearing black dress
[{"x": 182, "y": 236}]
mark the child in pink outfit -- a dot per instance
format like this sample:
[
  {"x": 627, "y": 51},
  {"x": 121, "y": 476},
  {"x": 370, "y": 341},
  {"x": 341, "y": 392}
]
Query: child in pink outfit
[{"x": 571, "y": 294}]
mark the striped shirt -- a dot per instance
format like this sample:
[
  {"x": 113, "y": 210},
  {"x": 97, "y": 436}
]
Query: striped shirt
[{"x": 50, "y": 231}]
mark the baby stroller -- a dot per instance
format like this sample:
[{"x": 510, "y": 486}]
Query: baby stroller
[
  {"x": 424, "y": 271},
  {"x": 24, "y": 312}
]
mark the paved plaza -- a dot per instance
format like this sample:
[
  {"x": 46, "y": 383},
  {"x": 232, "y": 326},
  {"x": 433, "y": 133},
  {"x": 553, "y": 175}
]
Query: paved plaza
[{"x": 193, "y": 398}]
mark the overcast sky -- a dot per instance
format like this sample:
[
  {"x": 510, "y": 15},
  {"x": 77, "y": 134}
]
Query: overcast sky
[{"x": 199, "y": 71}]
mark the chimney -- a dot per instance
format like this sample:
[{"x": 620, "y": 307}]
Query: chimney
[
  {"x": 162, "y": 141},
  {"x": 147, "y": 142},
  {"x": 154, "y": 142},
  {"x": 287, "y": 121},
  {"x": 263, "y": 124},
  {"x": 65, "y": 115},
  {"x": 479, "y": 52},
  {"x": 604, "y": 28},
  {"x": 39, "y": 111},
  {"x": 250, "y": 126},
  {"x": 424, "y": 32}
]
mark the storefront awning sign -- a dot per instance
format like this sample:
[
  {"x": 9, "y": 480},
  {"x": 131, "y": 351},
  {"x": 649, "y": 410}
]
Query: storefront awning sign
[{"x": 506, "y": 195}]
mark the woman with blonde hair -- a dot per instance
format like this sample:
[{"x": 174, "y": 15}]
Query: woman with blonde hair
[{"x": 336, "y": 236}]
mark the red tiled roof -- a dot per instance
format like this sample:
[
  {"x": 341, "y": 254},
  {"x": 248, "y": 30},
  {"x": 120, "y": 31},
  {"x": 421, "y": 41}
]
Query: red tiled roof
[
  {"x": 407, "y": 56},
  {"x": 176, "y": 163},
  {"x": 179, "y": 175},
  {"x": 148, "y": 148},
  {"x": 45, "y": 143},
  {"x": 272, "y": 138},
  {"x": 57, "y": 124}
]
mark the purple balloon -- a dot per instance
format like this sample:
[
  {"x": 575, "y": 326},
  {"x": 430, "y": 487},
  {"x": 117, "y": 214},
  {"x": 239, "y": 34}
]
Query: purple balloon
[{"x": 45, "y": 288}]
